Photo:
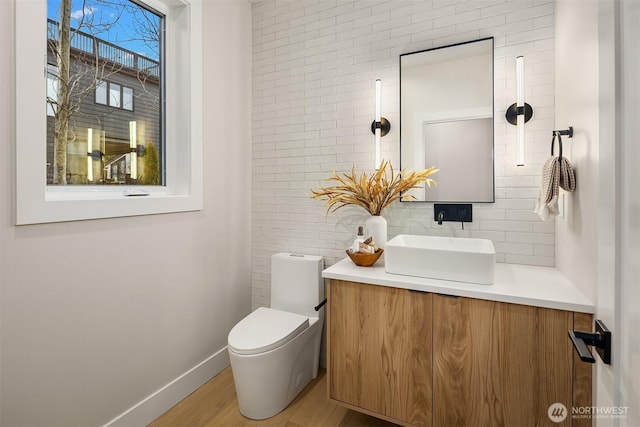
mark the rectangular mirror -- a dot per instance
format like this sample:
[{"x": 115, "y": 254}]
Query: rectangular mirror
[{"x": 446, "y": 120}]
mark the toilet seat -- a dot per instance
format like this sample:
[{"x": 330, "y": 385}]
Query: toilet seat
[{"x": 265, "y": 329}]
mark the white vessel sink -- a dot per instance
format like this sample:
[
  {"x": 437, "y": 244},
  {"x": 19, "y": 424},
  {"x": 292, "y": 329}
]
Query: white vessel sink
[{"x": 446, "y": 258}]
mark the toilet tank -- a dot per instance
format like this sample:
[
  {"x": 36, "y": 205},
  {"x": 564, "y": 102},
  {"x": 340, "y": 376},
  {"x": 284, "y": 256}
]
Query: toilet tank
[{"x": 296, "y": 283}]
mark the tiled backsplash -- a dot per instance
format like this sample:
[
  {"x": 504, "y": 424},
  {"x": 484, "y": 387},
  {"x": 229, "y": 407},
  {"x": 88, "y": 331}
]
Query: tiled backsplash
[{"x": 314, "y": 67}]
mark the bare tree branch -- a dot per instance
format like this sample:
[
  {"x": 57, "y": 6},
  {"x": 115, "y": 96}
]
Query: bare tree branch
[{"x": 80, "y": 72}]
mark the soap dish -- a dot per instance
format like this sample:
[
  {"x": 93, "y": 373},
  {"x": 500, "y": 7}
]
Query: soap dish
[{"x": 364, "y": 260}]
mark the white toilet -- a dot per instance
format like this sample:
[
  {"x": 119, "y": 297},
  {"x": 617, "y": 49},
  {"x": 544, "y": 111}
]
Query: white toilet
[{"x": 275, "y": 351}]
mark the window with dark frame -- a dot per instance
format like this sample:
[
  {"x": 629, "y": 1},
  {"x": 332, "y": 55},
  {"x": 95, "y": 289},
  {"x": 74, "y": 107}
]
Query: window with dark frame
[{"x": 118, "y": 96}]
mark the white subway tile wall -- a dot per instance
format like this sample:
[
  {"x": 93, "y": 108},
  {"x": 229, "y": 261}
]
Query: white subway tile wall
[{"x": 314, "y": 67}]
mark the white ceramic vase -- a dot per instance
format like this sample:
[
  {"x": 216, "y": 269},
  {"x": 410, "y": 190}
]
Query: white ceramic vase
[{"x": 377, "y": 228}]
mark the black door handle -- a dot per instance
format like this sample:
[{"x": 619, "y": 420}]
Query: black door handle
[
  {"x": 577, "y": 338},
  {"x": 600, "y": 339}
]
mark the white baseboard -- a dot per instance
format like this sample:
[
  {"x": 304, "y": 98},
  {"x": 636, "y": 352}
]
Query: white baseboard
[{"x": 156, "y": 404}]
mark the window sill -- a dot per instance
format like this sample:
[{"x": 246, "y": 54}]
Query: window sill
[
  {"x": 84, "y": 193},
  {"x": 60, "y": 206}
]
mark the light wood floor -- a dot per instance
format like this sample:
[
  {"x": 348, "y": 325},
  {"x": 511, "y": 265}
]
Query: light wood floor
[{"x": 216, "y": 404}]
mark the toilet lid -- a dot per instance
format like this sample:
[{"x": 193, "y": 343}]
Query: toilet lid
[{"x": 264, "y": 330}]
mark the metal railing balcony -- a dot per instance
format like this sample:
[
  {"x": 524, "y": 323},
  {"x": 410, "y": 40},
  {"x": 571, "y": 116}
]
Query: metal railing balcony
[{"x": 105, "y": 50}]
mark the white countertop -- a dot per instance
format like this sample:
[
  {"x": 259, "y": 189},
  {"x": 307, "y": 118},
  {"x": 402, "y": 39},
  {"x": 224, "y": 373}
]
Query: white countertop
[{"x": 514, "y": 283}]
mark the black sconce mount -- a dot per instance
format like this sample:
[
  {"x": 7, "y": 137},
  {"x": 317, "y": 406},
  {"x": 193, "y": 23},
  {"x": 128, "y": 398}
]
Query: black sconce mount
[
  {"x": 140, "y": 151},
  {"x": 95, "y": 155},
  {"x": 383, "y": 124},
  {"x": 514, "y": 111}
]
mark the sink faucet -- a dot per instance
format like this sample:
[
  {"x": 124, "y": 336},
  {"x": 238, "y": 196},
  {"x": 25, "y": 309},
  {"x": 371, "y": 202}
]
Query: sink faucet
[{"x": 440, "y": 217}]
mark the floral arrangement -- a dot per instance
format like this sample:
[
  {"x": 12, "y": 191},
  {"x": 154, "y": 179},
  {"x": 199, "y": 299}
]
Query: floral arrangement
[{"x": 373, "y": 193}]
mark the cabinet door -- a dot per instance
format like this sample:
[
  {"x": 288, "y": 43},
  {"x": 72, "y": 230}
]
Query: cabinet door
[
  {"x": 379, "y": 353},
  {"x": 499, "y": 364}
]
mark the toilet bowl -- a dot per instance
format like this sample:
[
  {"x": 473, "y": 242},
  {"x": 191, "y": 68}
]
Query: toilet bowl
[{"x": 274, "y": 352}]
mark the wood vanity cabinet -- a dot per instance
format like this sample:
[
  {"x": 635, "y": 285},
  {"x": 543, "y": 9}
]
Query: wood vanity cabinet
[
  {"x": 422, "y": 359},
  {"x": 379, "y": 351}
]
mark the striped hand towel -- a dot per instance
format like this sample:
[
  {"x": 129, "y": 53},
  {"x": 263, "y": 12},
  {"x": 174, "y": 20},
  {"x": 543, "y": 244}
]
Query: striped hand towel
[{"x": 555, "y": 174}]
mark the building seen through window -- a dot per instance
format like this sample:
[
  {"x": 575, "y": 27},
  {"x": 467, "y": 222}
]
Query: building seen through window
[
  {"x": 119, "y": 97},
  {"x": 104, "y": 93}
]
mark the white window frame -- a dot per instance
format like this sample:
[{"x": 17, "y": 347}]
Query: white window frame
[{"x": 41, "y": 203}]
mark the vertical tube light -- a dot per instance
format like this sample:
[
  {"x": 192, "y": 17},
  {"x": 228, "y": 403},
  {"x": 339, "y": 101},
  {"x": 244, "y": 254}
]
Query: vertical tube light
[
  {"x": 378, "y": 129},
  {"x": 133, "y": 144},
  {"x": 520, "y": 105},
  {"x": 103, "y": 150},
  {"x": 89, "y": 152}
]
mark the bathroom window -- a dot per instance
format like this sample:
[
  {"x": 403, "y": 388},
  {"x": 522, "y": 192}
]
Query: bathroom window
[{"x": 121, "y": 108}]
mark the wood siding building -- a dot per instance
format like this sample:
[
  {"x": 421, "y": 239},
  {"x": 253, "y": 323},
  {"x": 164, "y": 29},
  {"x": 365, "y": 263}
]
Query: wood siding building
[{"x": 113, "y": 87}]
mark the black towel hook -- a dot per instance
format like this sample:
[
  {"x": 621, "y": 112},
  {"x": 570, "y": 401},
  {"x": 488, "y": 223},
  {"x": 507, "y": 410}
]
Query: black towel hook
[
  {"x": 559, "y": 133},
  {"x": 559, "y": 145}
]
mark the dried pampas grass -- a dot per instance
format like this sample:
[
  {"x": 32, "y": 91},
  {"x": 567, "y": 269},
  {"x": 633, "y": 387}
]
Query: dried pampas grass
[{"x": 373, "y": 193}]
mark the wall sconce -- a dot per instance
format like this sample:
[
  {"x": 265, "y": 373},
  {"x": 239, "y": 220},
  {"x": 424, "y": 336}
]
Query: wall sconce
[
  {"x": 133, "y": 144},
  {"x": 94, "y": 153},
  {"x": 380, "y": 126},
  {"x": 519, "y": 113},
  {"x": 89, "y": 151}
]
